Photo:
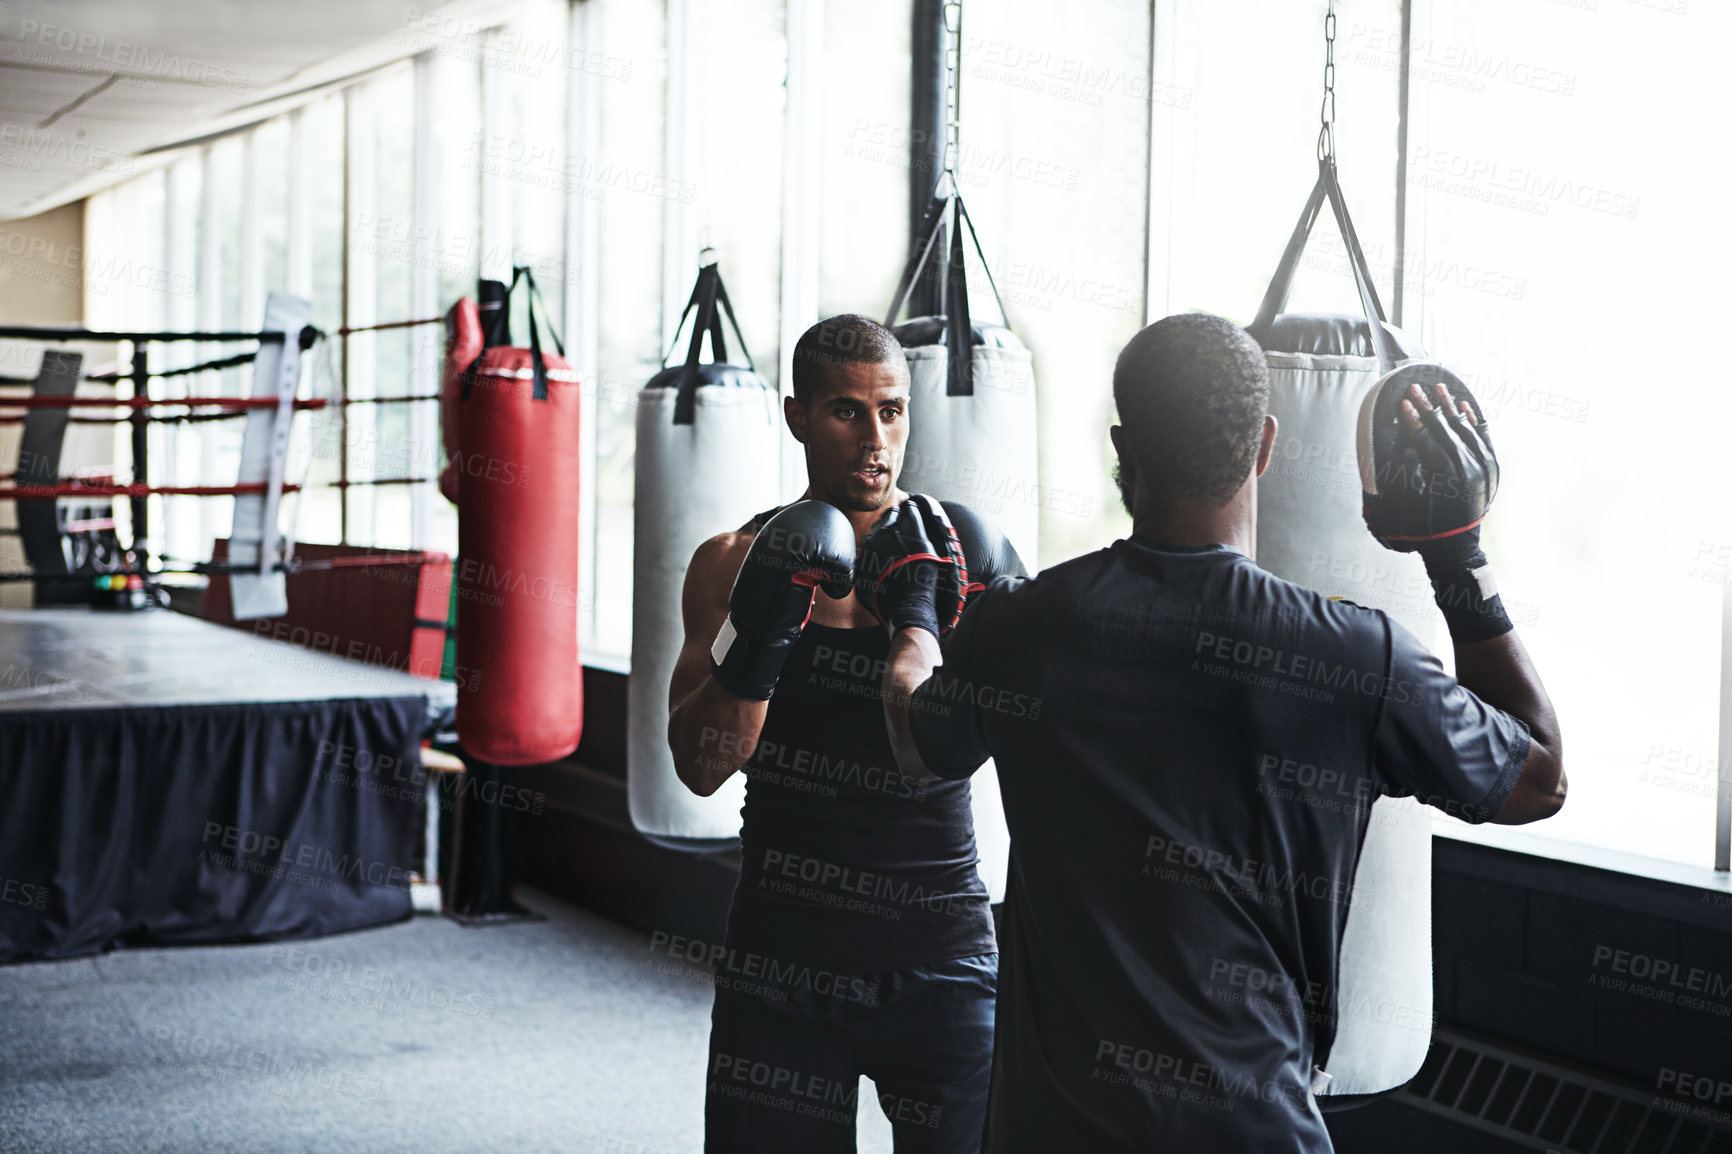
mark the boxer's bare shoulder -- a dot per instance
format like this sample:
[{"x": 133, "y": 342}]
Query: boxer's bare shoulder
[
  {"x": 704, "y": 604},
  {"x": 717, "y": 562}
]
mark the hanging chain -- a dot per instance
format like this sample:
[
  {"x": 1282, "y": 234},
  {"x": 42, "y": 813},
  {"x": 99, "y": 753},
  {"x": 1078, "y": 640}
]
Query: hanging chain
[
  {"x": 953, "y": 89},
  {"x": 1326, "y": 135}
]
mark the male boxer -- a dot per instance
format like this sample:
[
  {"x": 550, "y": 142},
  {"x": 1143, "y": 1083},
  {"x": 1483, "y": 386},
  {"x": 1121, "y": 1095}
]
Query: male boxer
[
  {"x": 1188, "y": 748},
  {"x": 860, "y": 940}
]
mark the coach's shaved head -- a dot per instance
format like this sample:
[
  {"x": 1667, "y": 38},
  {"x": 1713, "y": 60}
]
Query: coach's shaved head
[{"x": 1191, "y": 392}]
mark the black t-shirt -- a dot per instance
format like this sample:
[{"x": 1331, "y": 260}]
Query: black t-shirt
[
  {"x": 1188, "y": 748},
  {"x": 847, "y": 863}
]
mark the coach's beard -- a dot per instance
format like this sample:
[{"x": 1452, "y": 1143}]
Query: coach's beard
[{"x": 1125, "y": 487}]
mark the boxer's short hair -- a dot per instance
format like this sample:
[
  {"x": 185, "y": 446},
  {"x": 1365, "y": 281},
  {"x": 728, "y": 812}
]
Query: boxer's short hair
[
  {"x": 1191, "y": 392},
  {"x": 845, "y": 339}
]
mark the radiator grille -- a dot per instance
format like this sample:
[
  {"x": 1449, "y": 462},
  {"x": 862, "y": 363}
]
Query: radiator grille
[{"x": 1547, "y": 1106}]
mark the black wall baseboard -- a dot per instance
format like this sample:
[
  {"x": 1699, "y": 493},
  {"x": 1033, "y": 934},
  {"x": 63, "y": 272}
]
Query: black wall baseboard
[
  {"x": 1623, "y": 975},
  {"x": 1390, "y": 1126},
  {"x": 582, "y": 845}
]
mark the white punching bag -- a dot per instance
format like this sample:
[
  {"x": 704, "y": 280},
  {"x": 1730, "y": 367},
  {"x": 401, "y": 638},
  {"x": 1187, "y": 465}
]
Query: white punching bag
[
  {"x": 981, "y": 449},
  {"x": 1311, "y": 531},
  {"x": 707, "y": 453},
  {"x": 973, "y": 438},
  {"x": 973, "y": 433}
]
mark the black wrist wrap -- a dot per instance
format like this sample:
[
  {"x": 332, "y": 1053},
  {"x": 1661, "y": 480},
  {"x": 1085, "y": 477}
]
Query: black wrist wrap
[{"x": 1466, "y": 591}]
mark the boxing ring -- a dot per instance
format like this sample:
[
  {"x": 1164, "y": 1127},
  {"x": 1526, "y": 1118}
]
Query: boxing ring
[{"x": 167, "y": 780}]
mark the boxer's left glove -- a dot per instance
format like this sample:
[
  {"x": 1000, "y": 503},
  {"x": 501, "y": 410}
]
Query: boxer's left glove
[
  {"x": 808, "y": 545},
  {"x": 912, "y": 572}
]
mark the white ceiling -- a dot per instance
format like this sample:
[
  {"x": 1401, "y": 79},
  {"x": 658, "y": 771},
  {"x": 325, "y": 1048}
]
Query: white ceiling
[{"x": 89, "y": 86}]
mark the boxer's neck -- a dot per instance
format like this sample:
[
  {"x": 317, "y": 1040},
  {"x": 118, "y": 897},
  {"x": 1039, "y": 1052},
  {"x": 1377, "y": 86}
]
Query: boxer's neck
[
  {"x": 863, "y": 520},
  {"x": 1198, "y": 523}
]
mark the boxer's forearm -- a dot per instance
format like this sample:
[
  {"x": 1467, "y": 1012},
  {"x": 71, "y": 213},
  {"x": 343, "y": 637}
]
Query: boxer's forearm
[
  {"x": 712, "y": 734},
  {"x": 914, "y": 654},
  {"x": 1499, "y": 672}
]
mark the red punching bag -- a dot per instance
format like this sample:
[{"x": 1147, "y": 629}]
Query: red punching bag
[
  {"x": 462, "y": 347},
  {"x": 519, "y": 685},
  {"x": 470, "y": 327}
]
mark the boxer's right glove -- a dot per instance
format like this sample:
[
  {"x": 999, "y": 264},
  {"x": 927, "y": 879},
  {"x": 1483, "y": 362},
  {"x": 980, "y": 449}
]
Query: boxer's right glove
[
  {"x": 808, "y": 545},
  {"x": 912, "y": 571}
]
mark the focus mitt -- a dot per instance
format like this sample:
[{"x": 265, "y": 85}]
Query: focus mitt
[{"x": 1430, "y": 484}]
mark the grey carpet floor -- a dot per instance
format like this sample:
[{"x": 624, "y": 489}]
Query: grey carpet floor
[{"x": 422, "y": 1036}]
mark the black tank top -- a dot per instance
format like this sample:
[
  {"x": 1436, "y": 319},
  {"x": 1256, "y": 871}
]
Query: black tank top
[{"x": 846, "y": 862}]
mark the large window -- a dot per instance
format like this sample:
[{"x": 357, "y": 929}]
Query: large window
[
  {"x": 1235, "y": 104},
  {"x": 1561, "y": 224},
  {"x": 1123, "y": 160},
  {"x": 324, "y": 203},
  {"x": 1054, "y": 167},
  {"x": 317, "y": 142},
  {"x": 862, "y": 86}
]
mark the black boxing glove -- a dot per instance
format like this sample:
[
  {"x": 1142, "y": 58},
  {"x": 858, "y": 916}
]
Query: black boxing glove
[
  {"x": 987, "y": 551},
  {"x": 808, "y": 545},
  {"x": 912, "y": 572}
]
